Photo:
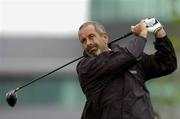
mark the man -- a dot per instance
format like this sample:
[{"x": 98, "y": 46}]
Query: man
[{"x": 113, "y": 78}]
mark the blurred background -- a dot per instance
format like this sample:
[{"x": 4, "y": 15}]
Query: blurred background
[{"x": 38, "y": 36}]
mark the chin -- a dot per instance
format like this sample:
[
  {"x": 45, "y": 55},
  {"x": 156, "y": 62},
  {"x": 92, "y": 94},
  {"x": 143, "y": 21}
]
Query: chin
[{"x": 96, "y": 53}]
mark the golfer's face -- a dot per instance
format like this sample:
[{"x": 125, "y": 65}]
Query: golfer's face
[{"x": 92, "y": 42}]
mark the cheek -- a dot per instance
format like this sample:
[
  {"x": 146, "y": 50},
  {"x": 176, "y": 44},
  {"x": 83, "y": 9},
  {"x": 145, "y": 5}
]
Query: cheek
[
  {"x": 97, "y": 41},
  {"x": 101, "y": 43},
  {"x": 84, "y": 46}
]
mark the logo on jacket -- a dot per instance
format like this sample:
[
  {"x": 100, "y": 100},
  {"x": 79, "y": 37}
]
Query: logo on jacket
[{"x": 133, "y": 71}]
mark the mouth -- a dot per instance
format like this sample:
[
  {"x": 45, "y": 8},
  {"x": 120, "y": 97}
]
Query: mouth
[{"x": 92, "y": 50}]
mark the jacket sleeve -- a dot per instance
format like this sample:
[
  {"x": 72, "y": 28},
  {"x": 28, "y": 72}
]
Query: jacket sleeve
[
  {"x": 119, "y": 60},
  {"x": 162, "y": 62}
]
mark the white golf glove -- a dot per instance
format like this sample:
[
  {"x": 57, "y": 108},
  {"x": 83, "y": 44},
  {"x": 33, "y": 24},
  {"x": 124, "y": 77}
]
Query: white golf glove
[{"x": 153, "y": 25}]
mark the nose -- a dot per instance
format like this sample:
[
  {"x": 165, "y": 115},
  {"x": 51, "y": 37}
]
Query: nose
[{"x": 89, "y": 42}]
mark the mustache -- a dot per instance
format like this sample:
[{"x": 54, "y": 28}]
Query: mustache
[{"x": 89, "y": 47}]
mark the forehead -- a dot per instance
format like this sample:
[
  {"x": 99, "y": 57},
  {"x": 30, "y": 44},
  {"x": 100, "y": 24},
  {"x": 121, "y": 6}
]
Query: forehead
[{"x": 87, "y": 30}]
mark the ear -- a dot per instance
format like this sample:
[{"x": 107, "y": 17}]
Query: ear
[{"x": 105, "y": 38}]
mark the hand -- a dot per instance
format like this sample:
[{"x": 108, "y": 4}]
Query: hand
[
  {"x": 153, "y": 25},
  {"x": 140, "y": 29}
]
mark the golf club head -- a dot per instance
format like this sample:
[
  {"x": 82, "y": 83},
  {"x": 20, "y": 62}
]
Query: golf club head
[{"x": 11, "y": 98}]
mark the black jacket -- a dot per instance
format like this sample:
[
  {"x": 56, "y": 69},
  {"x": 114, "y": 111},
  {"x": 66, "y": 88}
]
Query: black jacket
[{"x": 114, "y": 81}]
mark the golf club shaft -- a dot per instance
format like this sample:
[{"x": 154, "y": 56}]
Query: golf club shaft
[
  {"x": 124, "y": 36},
  {"x": 18, "y": 88},
  {"x": 49, "y": 73}
]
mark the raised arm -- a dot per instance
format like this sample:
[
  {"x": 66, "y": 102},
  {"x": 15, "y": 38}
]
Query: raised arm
[{"x": 164, "y": 61}]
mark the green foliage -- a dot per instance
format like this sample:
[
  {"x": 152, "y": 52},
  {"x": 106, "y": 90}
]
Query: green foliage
[
  {"x": 165, "y": 90},
  {"x": 176, "y": 22},
  {"x": 175, "y": 42}
]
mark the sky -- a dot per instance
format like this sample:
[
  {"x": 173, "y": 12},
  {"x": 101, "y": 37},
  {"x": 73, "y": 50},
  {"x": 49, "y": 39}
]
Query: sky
[{"x": 48, "y": 16}]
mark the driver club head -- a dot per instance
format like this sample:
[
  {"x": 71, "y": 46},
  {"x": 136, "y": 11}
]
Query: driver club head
[{"x": 11, "y": 98}]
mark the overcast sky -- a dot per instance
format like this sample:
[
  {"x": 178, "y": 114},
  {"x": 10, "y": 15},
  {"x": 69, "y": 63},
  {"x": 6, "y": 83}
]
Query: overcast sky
[{"x": 54, "y": 16}]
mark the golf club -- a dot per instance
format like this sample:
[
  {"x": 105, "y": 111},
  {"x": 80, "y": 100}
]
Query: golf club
[{"x": 11, "y": 96}]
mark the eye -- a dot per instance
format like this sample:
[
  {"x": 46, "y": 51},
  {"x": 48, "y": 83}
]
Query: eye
[
  {"x": 91, "y": 36},
  {"x": 83, "y": 40}
]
